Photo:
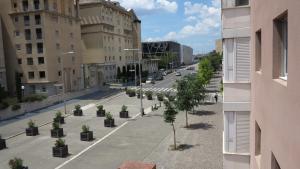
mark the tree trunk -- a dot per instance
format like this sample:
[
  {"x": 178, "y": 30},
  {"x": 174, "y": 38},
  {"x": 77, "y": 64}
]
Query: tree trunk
[
  {"x": 174, "y": 136},
  {"x": 186, "y": 119}
]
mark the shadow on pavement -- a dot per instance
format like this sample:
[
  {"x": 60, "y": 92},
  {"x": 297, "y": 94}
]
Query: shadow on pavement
[
  {"x": 204, "y": 126},
  {"x": 203, "y": 113},
  {"x": 181, "y": 147},
  {"x": 153, "y": 115}
]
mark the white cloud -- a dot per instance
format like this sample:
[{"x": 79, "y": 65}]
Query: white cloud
[
  {"x": 203, "y": 18},
  {"x": 150, "y": 5}
]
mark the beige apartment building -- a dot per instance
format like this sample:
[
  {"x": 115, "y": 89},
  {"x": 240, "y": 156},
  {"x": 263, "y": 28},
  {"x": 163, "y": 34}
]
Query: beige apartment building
[
  {"x": 237, "y": 86},
  {"x": 3, "y": 82},
  {"x": 37, "y": 36},
  {"x": 275, "y": 127},
  {"x": 107, "y": 29}
]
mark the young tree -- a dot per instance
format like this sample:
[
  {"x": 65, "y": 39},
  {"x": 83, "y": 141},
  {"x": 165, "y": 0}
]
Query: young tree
[
  {"x": 184, "y": 97},
  {"x": 170, "y": 116},
  {"x": 197, "y": 91},
  {"x": 205, "y": 71}
]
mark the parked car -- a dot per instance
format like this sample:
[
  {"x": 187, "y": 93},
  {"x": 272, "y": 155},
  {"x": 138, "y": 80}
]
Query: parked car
[
  {"x": 150, "y": 80},
  {"x": 190, "y": 68},
  {"x": 177, "y": 74},
  {"x": 164, "y": 73}
]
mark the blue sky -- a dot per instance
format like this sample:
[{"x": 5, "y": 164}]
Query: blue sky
[{"x": 192, "y": 22}]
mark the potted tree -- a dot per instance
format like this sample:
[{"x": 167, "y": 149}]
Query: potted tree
[
  {"x": 16, "y": 163},
  {"x": 124, "y": 112},
  {"x": 59, "y": 118},
  {"x": 100, "y": 111},
  {"x": 86, "y": 134},
  {"x": 149, "y": 95},
  {"x": 56, "y": 132},
  {"x": 2, "y": 143},
  {"x": 78, "y": 110},
  {"x": 160, "y": 97},
  {"x": 130, "y": 92},
  {"x": 32, "y": 130},
  {"x": 138, "y": 93},
  {"x": 109, "y": 121},
  {"x": 60, "y": 149}
]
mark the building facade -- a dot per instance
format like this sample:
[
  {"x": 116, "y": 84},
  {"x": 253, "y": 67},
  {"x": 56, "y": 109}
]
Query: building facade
[
  {"x": 168, "y": 52},
  {"x": 187, "y": 56},
  {"x": 236, "y": 80},
  {"x": 107, "y": 30},
  {"x": 3, "y": 82},
  {"x": 37, "y": 36},
  {"x": 275, "y": 138}
]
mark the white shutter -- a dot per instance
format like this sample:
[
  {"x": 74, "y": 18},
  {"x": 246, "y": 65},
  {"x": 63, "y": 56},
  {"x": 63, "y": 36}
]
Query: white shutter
[
  {"x": 229, "y": 59},
  {"x": 242, "y": 132},
  {"x": 228, "y": 3},
  {"x": 230, "y": 131},
  {"x": 243, "y": 59}
]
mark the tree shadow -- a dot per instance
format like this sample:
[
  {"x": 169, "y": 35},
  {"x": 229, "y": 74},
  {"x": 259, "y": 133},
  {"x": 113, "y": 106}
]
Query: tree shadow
[
  {"x": 196, "y": 126},
  {"x": 181, "y": 147},
  {"x": 204, "y": 113},
  {"x": 153, "y": 115},
  {"x": 207, "y": 103}
]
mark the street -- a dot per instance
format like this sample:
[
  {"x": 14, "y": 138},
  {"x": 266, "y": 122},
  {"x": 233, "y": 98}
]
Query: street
[{"x": 138, "y": 138}]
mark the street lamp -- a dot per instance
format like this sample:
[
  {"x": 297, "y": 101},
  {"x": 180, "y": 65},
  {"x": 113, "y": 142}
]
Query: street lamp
[
  {"x": 140, "y": 74},
  {"x": 63, "y": 77}
]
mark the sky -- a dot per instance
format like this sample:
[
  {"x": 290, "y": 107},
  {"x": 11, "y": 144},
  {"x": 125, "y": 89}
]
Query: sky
[{"x": 195, "y": 23}]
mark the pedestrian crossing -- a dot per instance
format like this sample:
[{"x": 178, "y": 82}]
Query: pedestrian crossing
[{"x": 156, "y": 90}]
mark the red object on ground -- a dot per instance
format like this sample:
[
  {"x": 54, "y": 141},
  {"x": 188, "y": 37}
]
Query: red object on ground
[{"x": 136, "y": 165}]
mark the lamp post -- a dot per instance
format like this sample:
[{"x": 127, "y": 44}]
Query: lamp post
[
  {"x": 140, "y": 74},
  {"x": 63, "y": 77}
]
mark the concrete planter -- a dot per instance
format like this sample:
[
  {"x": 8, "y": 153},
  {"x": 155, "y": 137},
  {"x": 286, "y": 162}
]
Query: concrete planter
[
  {"x": 61, "y": 152},
  {"x": 100, "y": 113},
  {"x": 124, "y": 114},
  {"x": 109, "y": 122},
  {"x": 77, "y": 112},
  {"x": 32, "y": 131},
  {"x": 57, "y": 133},
  {"x": 2, "y": 144},
  {"x": 86, "y": 136},
  {"x": 60, "y": 120}
]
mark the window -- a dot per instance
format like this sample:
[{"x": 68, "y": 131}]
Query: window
[
  {"x": 236, "y": 132},
  {"x": 16, "y": 19},
  {"x": 26, "y": 20},
  {"x": 274, "y": 163},
  {"x": 15, "y": 5},
  {"x": 59, "y": 73},
  {"x": 40, "y": 47},
  {"x": 29, "y": 61},
  {"x": 17, "y": 33},
  {"x": 41, "y": 60},
  {"x": 27, "y": 34},
  {"x": 37, "y": 19},
  {"x": 71, "y": 35},
  {"x": 280, "y": 47},
  {"x": 57, "y": 46},
  {"x": 39, "y": 34},
  {"x": 25, "y": 5},
  {"x": 257, "y": 140},
  {"x": 18, "y": 46},
  {"x": 105, "y": 58},
  {"x": 120, "y": 58},
  {"x": 57, "y": 33},
  {"x": 30, "y": 75},
  {"x": 258, "y": 50},
  {"x": 241, "y": 2},
  {"x": 29, "y": 48},
  {"x": 42, "y": 74},
  {"x": 19, "y": 61},
  {"x": 44, "y": 89},
  {"x": 73, "y": 71},
  {"x": 72, "y": 47},
  {"x": 36, "y": 4}
]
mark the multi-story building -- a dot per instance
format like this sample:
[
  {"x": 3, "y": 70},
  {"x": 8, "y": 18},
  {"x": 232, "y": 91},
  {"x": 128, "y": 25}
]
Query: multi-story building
[
  {"x": 165, "y": 51},
  {"x": 38, "y": 35},
  {"x": 275, "y": 138},
  {"x": 187, "y": 56},
  {"x": 107, "y": 30},
  {"x": 2, "y": 62},
  {"x": 237, "y": 87}
]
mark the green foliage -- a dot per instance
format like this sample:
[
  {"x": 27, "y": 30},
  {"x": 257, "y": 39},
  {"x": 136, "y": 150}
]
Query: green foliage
[
  {"x": 85, "y": 128},
  {"x": 34, "y": 97},
  {"x": 130, "y": 91},
  {"x": 31, "y": 124},
  {"x": 170, "y": 112},
  {"x": 108, "y": 116},
  {"x": 3, "y": 93},
  {"x": 124, "y": 108},
  {"x": 18, "y": 82},
  {"x": 149, "y": 94},
  {"x": 16, "y": 163},
  {"x": 184, "y": 95},
  {"x": 205, "y": 71},
  {"x": 100, "y": 107},
  {"x": 170, "y": 97},
  {"x": 15, "y": 107},
  {"x": 55, "y": 126},
  {"x": 77, "y": 107},
  {"x": 60, "y": 143},
  {"x": 160, "y": 97},
  {"x": 58, "y": 114}
]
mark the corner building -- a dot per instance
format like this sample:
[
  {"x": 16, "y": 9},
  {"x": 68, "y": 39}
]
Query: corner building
[{"x": 37, "y": 34}]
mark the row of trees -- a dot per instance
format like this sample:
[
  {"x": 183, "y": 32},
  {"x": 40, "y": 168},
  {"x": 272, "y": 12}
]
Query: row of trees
[{"x": 191, "y": 90}]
